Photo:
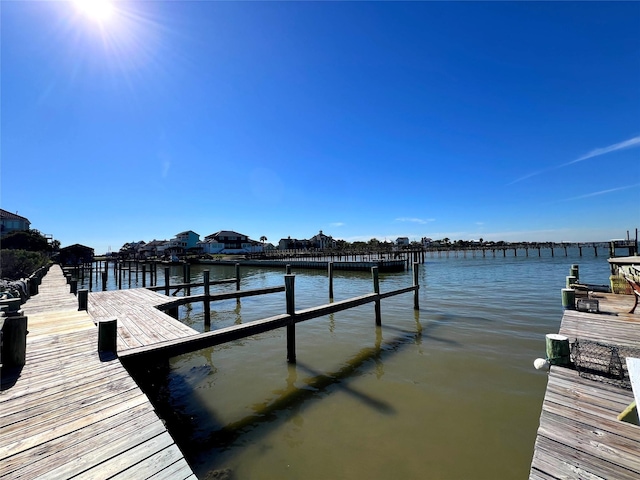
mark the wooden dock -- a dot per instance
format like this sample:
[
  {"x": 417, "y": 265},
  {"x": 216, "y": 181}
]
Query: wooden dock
[
  {"x": 70, "y": 413},
  {"x": 579, "y": 435}
]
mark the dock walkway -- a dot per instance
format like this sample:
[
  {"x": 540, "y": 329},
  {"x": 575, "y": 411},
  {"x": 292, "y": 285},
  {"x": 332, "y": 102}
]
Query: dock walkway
[
  {"x": 70, "y": 414},
  {"x": 579, "y": 434}
]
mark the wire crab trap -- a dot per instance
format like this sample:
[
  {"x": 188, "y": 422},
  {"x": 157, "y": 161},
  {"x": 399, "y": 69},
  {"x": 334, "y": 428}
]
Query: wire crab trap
[{"x": 603, "y": 362}]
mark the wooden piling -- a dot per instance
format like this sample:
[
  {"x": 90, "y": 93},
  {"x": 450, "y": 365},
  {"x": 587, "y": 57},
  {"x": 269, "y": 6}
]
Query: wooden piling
[
  {"x": 330, "y": 267},
  {"x": 376, "y": 289},
  {"x": 166, "y": 281},
  {"x": 416, "y": 300},
  {"x": 83, "y": 299},
  {"x": 238, "y": 277},
  {"x": 108, "y": 335},
  {"x": 207, "y": 304},
  {"x": 557, "y": 347},
  {"x": 144, "y": 276},
  {"x": 14, "y": 338},
  {"x": 289, "y": 284}
]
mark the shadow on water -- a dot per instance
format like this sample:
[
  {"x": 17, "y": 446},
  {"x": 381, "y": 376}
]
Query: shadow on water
[{"x": 162, "y": 387}]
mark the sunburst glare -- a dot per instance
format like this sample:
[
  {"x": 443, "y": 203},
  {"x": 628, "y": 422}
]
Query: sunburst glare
[{"x": 98, "y": 10}]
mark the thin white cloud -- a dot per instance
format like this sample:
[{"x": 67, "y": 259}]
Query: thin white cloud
[
  {"x": 632, "y": 142},
  {"x": 421, "y": 221},
  {"x": 602, "y": 192},
  {"x": 337, "y": 224}
]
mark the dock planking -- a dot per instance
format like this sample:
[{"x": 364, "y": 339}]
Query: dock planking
[
  {"x": 140, "y": 323},
  {"x": 69, "y": 413},
  {"x": 579, "y": 434}
]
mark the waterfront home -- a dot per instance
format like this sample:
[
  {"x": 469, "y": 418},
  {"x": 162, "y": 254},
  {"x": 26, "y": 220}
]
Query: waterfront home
[
  {"x": 402, "y": 241},
  {"x": 322, "y": 241},
  {"x": 155, "y": 248},
  {"x": 182, "y": 242},
  {"x": 294, "y": 244},
  {"x": 228, "y": 241},
  {"x": 12, "y": 222}
]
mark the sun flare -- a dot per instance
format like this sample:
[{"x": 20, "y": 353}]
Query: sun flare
[{"x": 97, "y": 10}]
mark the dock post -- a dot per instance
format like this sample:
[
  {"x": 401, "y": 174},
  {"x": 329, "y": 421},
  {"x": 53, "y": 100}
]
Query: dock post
[
  {"x": 144, "y": 275},
  {"x": 376, "y": 289},
  {"x": 207, "y": 304},
  {"x": 108, "y": 335},
  {"x": 558, "y": 350},
  {"x": 330, "y": 266},
  {"x": 416, "y": 302},
  {"x": 74, "y": 285},
  {"x": 238, "y": 277},
  {"x": 289, "y": 285},
  {"x": 14, "y": 337},
  {"x": 83, "y": 299},
  {"x": 119, "y": 271},
  {"x": 166, "y": 281},
  {"x": 91, "y": 277},
  {"x": 568, "y": 299},
  {"x": 185, "y": 278},
  {"x": 288, "y": 269},
  {"x": 575, "y": 271}
]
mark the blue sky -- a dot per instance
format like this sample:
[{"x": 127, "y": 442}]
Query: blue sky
[{"x": 497, "y": 120}]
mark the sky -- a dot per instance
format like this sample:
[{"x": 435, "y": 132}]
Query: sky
[{"x": 515, "y": 121}]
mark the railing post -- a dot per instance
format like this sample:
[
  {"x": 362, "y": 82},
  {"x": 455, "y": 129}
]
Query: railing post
[
  {"x": 289, "y": 284},
  {"x": 108, "y": 335},
  {"x": 330, "y": 279},
  {"x": 83, "y": 299},
  {"x": 207, "y": 304},
  {"x": 167, "y": 288},
  {"x": 186, "y": 275},
  {"x": 376, "y": 289},
  {"x": 416, "y": 302}
]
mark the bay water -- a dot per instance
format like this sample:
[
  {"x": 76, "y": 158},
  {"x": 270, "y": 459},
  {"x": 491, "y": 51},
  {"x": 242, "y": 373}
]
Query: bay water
[{"x": 448, "y": 391}]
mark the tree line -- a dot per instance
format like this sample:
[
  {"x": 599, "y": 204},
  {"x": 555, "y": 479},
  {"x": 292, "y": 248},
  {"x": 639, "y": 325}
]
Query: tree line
[{"x": 24, "y": 252}]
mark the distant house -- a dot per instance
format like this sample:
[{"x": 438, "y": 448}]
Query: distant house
[
  {"x": 426, "y": 241},
  {"x": 294, "y": 244},
  {"x": 76, "y": 254},
  {"x": 228, "y": 241},
  {"x": 155, "y": 248},
  {"x": 322, "y": 241},
  {"x": 402, "y": 241},
  {"x": 12, "y": 222},
  {"x": 182, "y": 242},
  {"x": 131, "y": 249}
]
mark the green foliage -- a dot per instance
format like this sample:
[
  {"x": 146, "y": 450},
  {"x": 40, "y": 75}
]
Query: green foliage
[
  {"x": 16, "y": 264},
  {"x": 31, "y": 240}
]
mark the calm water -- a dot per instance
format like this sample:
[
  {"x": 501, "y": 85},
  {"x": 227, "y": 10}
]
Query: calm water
[{"x": 446, "y": 392}]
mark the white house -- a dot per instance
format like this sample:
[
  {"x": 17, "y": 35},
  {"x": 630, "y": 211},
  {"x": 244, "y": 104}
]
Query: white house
[{"x": 228, "y": 241}]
